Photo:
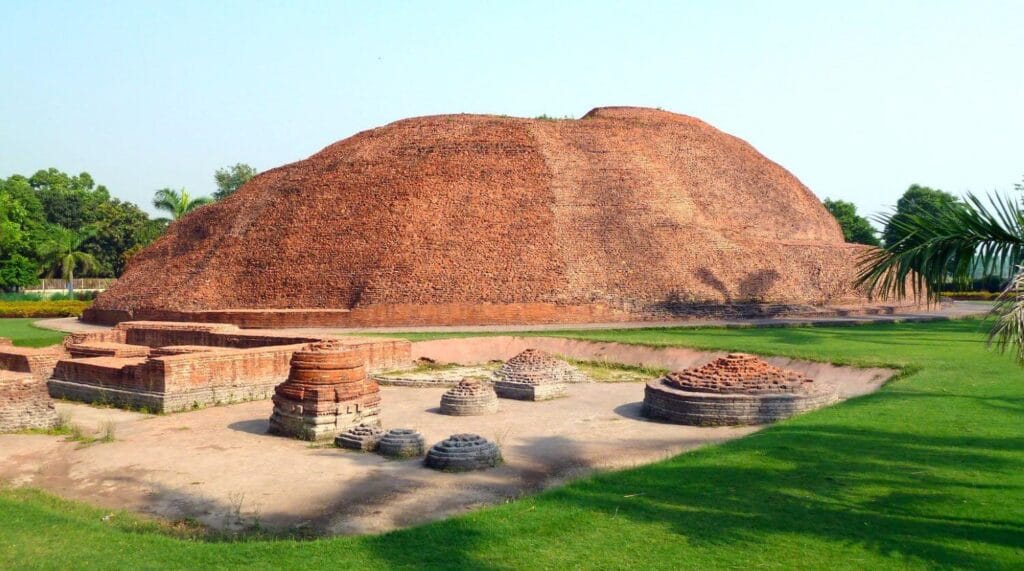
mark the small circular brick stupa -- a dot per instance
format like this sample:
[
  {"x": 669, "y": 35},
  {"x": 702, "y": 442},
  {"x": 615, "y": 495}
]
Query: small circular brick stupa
[
  {"x": 737, "y": 389},
  {"x": 364, "y": 437},
  {"x": 401, "y": 443},
  {"x": 327, "y": 391},
  {"x": 534, "y": 375},
  {"x": 463, "y": 453},
  {"x": 469, "y": 398}
]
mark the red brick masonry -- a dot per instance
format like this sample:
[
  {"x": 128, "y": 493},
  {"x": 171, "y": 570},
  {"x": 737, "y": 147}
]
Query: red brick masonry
[
  {"x": 625, "y": 214},
  {"x": 194, "y": 364}
]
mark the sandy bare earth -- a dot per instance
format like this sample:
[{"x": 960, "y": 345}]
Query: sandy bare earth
[{"x": 220, "y": 467}]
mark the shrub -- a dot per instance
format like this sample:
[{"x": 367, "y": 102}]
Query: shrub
[{"x": 48, "y": 308}]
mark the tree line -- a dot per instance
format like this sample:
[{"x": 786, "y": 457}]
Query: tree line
[{"x": 53, "y": 224}]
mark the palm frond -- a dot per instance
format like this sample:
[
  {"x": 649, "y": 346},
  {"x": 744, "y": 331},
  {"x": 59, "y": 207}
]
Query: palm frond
[
  {"x": 1008, "y": 332},
  {"x": 948, "y": 245}
]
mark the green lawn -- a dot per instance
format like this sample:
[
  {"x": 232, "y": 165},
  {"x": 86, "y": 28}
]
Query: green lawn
[
  {"x": 25, "y": 334},
  {"x": 926, "y": 473}
]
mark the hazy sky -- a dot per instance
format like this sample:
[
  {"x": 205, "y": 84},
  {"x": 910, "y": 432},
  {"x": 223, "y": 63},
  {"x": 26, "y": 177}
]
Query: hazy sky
[{"x": 857, "y": 101}]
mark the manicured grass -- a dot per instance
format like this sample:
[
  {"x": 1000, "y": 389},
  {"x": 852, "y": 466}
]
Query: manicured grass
[
  {"x": 926, "y": 473},
  {"x": 25, "y": 334}
]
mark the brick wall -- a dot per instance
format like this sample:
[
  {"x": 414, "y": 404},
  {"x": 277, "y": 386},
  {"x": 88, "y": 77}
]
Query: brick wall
[{"x": 24, "y": 403}]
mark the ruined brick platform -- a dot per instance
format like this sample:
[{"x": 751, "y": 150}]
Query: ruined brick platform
[
  {"x": 327, "y": 392},
  {"x": 25, "y": 403},
  {"x": 463, "y": 453},
  {"x": 190, "y": 365},
  {"x": 737, "y": 389},
  {"x": 364, "y": 437},
  {"x": 534, "y": 375},
  {"x": 470, "y": 397},
  {"x": 626, "y": 214},
  {"x": 38, "y": 362}
]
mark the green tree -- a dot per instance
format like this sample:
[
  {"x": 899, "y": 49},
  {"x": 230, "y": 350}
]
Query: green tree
[
  {"x": 950, "y": 243},
  {"x": 855, "y": 227},
  {"x": 229, "y": 179},
  {"x": 917, "y": 200},
  {"x": 178, "y": 203},
  {"x": 17, "y": 271},
  {"x": 119, "y": 228},
  {"x": 68, "y": 201},
  {"x": 62, "y": 254}
]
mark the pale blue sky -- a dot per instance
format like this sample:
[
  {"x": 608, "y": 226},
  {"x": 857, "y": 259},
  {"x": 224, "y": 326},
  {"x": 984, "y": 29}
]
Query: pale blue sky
[{"x": 858, "y": 100}]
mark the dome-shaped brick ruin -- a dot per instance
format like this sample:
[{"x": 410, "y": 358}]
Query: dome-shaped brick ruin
[
  {"x": 470, "y": 397},
  {"x": 327, "y": 391},
  {"x": 534, "y": 375},
  {"x": 401, "y": 443},
  {"x": 737, "y": 389},
  {"x": 463, "y": 453},
  {"x": 624, "y": 214}
]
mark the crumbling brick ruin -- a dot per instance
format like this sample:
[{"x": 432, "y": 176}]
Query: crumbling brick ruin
[
  {"x": 166, "y": 366},
  {"x": 469, "y": 398},
  {"x": 463, "y": 453},
  {"x": 534, "y": 375},
  {"x": 737, "y": 389},
  {"x": 625, "y": 214},
  {"x": 401, "y": 443},
  {"x": 364, "y": 437},
  {"x": 38, "y": 362},
  {"x": 25, "y": 403},
  {"x": 327, "y": 392}
]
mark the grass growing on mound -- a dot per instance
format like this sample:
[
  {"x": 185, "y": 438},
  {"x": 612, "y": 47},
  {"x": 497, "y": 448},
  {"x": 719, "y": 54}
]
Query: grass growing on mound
[
  {"x": 25, "y": 334},
  {"x": 928, "y": 472}
]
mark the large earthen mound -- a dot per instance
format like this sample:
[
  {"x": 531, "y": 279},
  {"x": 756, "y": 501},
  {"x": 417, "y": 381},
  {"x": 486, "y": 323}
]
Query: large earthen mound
[{"x": 624, "y": 214}]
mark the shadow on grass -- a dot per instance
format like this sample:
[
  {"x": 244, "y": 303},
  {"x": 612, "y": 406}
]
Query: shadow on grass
[{"x": 888, "y": 492}]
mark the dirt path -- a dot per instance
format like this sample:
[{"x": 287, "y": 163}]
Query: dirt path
[{"x": 219, "y": 466}]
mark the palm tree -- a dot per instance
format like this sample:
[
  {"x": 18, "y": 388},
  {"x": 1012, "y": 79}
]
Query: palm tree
[
  {"x": 949, "y": 246},
  {"x": 62, "y": 254},
  {"x": 178, "y": 203}
]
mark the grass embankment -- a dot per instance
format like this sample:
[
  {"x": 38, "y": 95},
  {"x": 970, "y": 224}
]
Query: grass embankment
[
  {"x": 24, "y": 334},
  {"x": 926, "y": 473}
]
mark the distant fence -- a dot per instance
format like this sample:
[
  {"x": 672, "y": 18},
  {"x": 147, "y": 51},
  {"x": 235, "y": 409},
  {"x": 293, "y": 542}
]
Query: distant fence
[{"x": 79, "y": 283}]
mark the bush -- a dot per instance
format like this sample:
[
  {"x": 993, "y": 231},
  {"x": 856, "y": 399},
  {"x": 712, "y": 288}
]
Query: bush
[
  {"x": 973, "y": 295},
  {"x": 58, "y": 308}
]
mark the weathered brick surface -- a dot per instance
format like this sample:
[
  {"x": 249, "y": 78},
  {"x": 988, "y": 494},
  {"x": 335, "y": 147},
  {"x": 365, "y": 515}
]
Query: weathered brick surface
[
  {"x": 469, "y": 398},
  {"x": 463, "y": 453},
  {"x": 200, "y": 364},
  {"x": 327, "y": 392},
  {"x": 37, "y": 362},
  {"x": 622, "y": 215},
  {"x": 534, "y": 375},
  {"x": 24, "y": 403},
  {"x": 737, "y": 389}
]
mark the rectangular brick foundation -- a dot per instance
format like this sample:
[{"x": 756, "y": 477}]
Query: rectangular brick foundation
[{"x": 194, "y": 364}]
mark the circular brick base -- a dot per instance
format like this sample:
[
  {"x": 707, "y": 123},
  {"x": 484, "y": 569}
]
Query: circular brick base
[{"x": 665, "y": 403}]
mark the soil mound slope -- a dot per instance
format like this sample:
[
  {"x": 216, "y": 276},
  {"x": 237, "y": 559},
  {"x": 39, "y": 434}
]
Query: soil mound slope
[{"x": 625, "y": 213}]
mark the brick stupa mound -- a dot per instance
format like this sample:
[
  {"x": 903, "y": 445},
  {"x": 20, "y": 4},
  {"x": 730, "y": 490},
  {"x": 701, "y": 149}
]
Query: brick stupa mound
[
  {"x": 25, "y": 403},
  {"x": 463, "y": 453},
  {"x": 326, "y": 393},
  {"x": 534, "y": 375},
  {"x": 625, "y": 214},
  {"x": 469, "y": 398},
  {"x": 737, "y": 389}
]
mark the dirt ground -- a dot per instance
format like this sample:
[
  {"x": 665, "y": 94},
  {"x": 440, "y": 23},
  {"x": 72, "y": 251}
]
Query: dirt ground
[{"x": 218, "y": 465}]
